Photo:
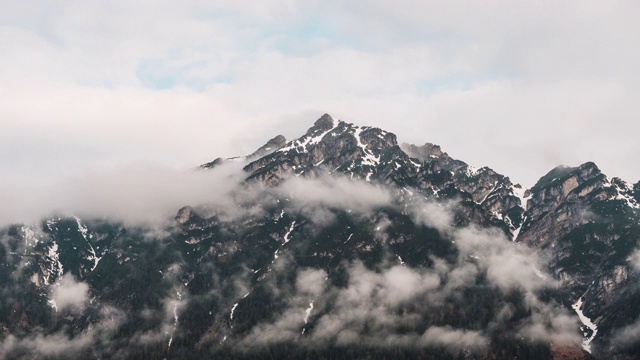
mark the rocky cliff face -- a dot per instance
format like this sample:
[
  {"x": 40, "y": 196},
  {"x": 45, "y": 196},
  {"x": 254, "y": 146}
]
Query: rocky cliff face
[{"x": 589, "y": 226}]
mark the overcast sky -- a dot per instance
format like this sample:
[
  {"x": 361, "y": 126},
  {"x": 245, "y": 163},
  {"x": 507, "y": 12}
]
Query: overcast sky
[{"x": 518, "y": 86}]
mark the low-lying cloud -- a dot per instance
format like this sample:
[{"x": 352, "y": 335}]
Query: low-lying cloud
[
  {"x": 144, "y": 194},
  {"x": 135, "y": 194},
  {"x": 450, "y": 337},
  {"x": 336, "y": 192},
  {"x": 69, "y": 294},
  {"x": 388, "y": 306},
  {"x": 627, "y": 335},
  {"x": 59, "y": 344}
]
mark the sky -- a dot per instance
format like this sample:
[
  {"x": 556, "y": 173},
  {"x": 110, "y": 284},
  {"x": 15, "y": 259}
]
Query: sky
[{"x": 518, "y": 86}]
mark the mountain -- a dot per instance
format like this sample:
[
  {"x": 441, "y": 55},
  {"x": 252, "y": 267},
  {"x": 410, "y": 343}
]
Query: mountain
[
  {"x": 372, "y": 154},
  {"x": 339, "y": 244},
  {"x": 588, "y": 225}
]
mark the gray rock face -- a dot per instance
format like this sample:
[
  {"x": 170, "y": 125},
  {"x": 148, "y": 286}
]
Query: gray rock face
[
  {"x": 558, "y": 202},
  {"x": 588, "y": 225}
]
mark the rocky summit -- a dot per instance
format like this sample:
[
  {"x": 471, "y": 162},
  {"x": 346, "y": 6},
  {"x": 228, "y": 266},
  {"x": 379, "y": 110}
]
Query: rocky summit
[{"x": 339, "y": 244}]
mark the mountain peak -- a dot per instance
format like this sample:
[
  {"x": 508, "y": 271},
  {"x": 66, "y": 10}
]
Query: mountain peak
[
  {"x": 271, "y": 146},
  {"x": 330, "y": 146},
  {"x": 324, "y": 123},
  {"x": 212, "y": 164},
  {"x": 426, "y": 152},
  {"x": 589, "y": 166},
  {"x": 562, "y": 173}
]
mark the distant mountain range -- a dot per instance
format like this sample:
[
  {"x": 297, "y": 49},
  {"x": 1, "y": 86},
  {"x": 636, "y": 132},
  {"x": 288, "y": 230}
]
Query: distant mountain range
[{"x": 340, "y": 244}]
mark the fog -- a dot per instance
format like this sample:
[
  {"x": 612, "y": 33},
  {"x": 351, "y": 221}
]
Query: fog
[
  {"x": 136, "y": 194},
  {"x": 69, "y": 293}
]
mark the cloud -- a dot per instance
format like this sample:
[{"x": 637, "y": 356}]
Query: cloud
[
  {"x": 432, "y": 214},
  {"x": 510, "y": 266},
  {"x": 311, "y": 282},
  {"x": 396, "y": 305},
  {"x": 136, "y": 194},
  {"x": 507, "y": 264},
  {"x": 98, "y": 337},
  {"x": 45, "y": 345},
  {"x": 69, "y": 293},
  {"x": 449, "y": 337},
  {"x": 146, "y": 194},
  {"x": 627, "y": 335},
  {"x": 402, "y": 284},
  {"x": 552, "y": 323},
  {"x": 287, "y": 327},
  {"x": 369, "y": 311},
  {"x": 635, "y": 260},
  {"x": 86, "y": 85},
  {"x": 309, "y": 194},
  {"x": 166, "y": 330}
]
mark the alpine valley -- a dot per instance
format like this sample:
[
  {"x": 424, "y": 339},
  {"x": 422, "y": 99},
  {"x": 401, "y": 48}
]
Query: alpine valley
[{"x": 341, "y": 244}]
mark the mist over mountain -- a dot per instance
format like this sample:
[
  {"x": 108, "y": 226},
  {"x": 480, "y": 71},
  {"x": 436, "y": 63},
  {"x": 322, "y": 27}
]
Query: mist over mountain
[{"x": 342, "y": 243}]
